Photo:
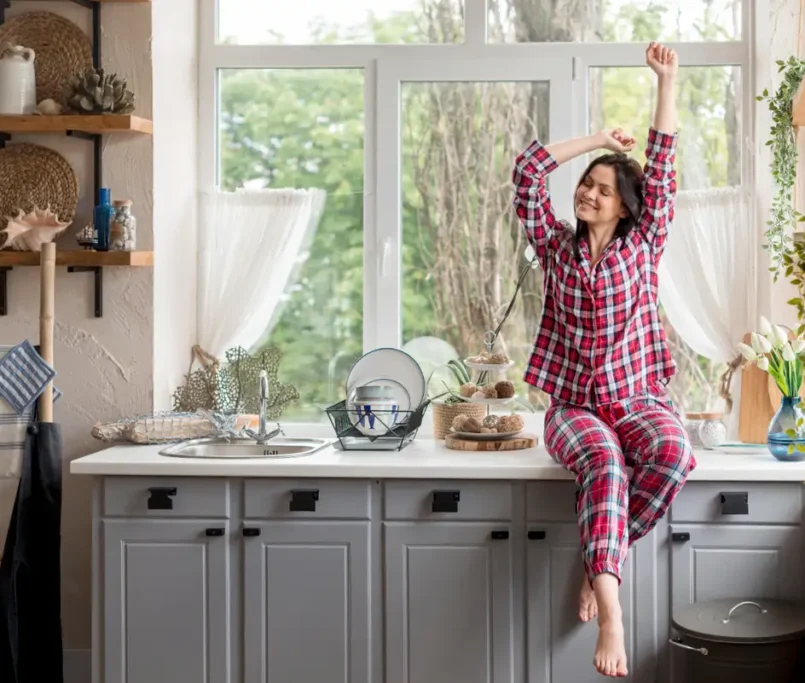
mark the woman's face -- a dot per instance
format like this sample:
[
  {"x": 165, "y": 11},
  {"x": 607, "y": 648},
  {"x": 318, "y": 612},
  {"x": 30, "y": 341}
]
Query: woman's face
[{"x": 597, "y": 198}]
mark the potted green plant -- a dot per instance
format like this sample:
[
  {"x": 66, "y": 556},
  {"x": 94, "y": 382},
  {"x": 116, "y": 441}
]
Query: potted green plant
[{"x": 450, "y": 403}]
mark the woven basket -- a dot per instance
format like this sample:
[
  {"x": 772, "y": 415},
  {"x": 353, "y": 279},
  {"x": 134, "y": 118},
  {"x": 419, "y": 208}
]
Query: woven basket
[
  {"x": 30, "y": 176},
  {"x": 62, "y": 50},
  {"x": 443, "y": 415}
]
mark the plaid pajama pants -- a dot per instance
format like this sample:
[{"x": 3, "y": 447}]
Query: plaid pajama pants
[{"x": 597, "y": 444}]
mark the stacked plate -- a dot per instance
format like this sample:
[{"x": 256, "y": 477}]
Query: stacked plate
[{"x": 383, "y": 387}]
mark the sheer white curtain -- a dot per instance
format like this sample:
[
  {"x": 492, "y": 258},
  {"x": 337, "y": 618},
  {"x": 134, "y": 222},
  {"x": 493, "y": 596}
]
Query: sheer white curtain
[
  {"x": 250, "y": 244},
  {"x": 708, "y": 282}
]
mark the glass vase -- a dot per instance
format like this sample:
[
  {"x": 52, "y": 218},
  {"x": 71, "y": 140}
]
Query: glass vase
[{"x": 786, "y": 435}]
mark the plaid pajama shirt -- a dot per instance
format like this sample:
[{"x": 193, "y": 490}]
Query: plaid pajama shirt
[{"x": 601, "y": 354}]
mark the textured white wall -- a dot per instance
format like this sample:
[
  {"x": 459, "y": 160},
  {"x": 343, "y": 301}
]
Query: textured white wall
[{"x": 105, "y": 365}]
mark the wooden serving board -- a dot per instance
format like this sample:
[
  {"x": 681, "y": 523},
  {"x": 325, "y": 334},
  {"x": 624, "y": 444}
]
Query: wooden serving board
[{"x": 515, "y": 443}]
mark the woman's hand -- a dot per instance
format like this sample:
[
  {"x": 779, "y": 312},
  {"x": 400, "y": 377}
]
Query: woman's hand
[
  {"x": 615, "y": 140},
  {"x": 662, "y": 60}
]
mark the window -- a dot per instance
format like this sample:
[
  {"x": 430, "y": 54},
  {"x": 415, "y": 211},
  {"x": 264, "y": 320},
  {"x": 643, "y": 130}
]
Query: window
[{"x": 409, "y": 114}]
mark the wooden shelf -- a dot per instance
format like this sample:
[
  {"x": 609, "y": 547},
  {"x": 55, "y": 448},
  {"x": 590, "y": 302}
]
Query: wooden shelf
[
  {"x": 92, "y": 125},
  {"x": 80, "y": 259}
]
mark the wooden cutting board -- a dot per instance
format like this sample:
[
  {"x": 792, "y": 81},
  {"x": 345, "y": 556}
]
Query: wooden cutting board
[{"x": 458, "y": 443}]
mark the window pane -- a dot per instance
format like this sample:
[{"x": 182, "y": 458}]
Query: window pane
[
  {"x": 709, "y": 108},
  {"x": 463, "y": 245},
  {"x": 307, "y": 22},
  {"x": 305, "y": 129},
  {"x": 538, "y": 21}
]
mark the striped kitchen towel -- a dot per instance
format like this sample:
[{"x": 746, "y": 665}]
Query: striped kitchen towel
[{"x": 23, "y": 376}]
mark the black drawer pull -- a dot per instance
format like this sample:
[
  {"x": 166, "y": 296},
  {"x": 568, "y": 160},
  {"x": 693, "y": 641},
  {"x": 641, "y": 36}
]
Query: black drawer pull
[
  {"x": 304, "y": 500},
  {"x": 215, "y": 532},
  {"x": 536, "y": 535},
  {"x": 445, "y": 501},
  {"x": 251, "y": 531},
  {"x": 735, "y": 503},
  {"x": 500, "y": 535},
  {"x": 680, "y": 537},
  {"x": 159, "y": 497}
]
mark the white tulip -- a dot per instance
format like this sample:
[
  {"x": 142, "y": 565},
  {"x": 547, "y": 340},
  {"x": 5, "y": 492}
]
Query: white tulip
[
  {"x": 746, "y": 351},
  {"x": 788, "y": 352},
  {"x": 779, "y": 336},
  {"x": 798, "y": 345},
  {"x": 763, "y": 363},
  {"x": 765, "y": 326},
  {"x": 760, "y": 344}
]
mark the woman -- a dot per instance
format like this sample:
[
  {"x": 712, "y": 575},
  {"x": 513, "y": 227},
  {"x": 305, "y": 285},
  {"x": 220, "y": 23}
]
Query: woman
[{"x": 601, "y": 352}]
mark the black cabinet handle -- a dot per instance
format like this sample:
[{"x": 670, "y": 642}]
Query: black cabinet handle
[
  {"x": 500, "y": 535},
  {"x": 680, "y": 537},
  {"x": 735, "y": 503},
  {"x": 215, "y": 532},
  {"x": 304, "y": 500},
  {"x": 445, "y": 501},
  {"x": 159, "y": 497},
  {"x": 536, "y": 535},
  {"x": 251, "y": 531}
]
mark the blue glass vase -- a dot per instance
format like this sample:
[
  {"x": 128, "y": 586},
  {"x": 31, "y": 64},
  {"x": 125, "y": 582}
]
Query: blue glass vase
[{"x": 786, "y": 435}]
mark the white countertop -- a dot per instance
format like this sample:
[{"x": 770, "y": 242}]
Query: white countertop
[{"x": 423, "y": 459}]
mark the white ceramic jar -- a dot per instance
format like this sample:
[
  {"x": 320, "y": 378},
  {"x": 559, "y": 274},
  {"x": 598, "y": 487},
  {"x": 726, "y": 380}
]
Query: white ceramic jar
[{"x": 17, "y": 80}]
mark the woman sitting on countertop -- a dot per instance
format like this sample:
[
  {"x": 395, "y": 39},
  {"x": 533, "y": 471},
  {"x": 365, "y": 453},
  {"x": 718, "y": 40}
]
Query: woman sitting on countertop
[{"x": 601, "y": 351}]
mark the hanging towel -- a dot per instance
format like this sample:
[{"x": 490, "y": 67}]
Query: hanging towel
[{"x": 23, "y": 376}]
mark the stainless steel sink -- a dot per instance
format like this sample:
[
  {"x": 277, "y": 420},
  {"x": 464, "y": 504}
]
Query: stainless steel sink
[{"x": 245, "y": 448}]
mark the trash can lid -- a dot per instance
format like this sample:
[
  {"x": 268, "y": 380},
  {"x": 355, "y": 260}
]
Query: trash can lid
[{"x": 757, "y": 620}]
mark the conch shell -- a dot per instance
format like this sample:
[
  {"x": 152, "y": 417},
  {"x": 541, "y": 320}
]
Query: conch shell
[{"x": 29, "y": 231}]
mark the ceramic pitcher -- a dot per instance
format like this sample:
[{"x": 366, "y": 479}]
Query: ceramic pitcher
[{"x": 17, "y": 80}]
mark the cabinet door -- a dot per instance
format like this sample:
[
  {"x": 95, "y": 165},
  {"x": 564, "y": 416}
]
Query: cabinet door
[
  {"x": 448, "y": 603},
  {"x": 166, "y": 601},
  {"x": 709, "y": 562},
  {"x": 306, "y": 598},
  {"x": 560, "y": 647}
]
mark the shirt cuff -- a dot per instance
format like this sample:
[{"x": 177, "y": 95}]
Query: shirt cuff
[
  {"x": 540, "y": 158},
  {"x": 661, "y": 142}
]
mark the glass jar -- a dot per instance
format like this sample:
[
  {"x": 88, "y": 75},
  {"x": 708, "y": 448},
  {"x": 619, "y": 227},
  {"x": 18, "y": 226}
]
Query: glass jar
[
  {"x": 706, "y": 430},
  {"x": 123, "y": 232}
]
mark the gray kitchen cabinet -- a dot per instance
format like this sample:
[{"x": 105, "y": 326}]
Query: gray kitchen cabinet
[
  {"x": 166, "y": 605},
  {"x": 449, "y": 595},
  {"x": 712, "y": 561},
  {"x": 560, "y": 648},
  {"x": 306, "y": 592}
]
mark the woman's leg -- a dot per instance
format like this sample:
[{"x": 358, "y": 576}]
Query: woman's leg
[
  {"x": 657, "y": 447},
  {"x": 584, "y": 444}
]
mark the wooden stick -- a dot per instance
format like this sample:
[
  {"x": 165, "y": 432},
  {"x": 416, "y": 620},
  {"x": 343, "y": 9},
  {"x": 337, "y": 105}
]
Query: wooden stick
[{"x": 47, "y": 295}]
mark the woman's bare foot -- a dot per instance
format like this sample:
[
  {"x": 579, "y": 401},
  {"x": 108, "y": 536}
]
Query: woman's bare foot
[
  {"x": 588, "y": 605},
  {"x": 610, "y": 651}
]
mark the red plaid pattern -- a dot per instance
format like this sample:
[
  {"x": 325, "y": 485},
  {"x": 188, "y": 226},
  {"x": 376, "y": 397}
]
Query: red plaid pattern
[
  {"x": 598, "y": 445},
  {"x": 600, "y": 330}
]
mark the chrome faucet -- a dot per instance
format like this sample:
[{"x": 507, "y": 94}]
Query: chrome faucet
[{"x": 261, "y": 437}]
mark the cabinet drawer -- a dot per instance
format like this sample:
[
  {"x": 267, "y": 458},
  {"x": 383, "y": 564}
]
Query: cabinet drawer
[
  {"x": 166, "y": 497},
  {"x": 738, "y": 503},
  {"x": 551, "y": 502},
  {"x": 300, "y": 498},
  {"x": 448, "y": 500}
]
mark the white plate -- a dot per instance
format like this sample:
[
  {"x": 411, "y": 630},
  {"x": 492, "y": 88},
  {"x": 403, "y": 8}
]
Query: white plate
[
  {"x": 489, "y": 367},
  {"x": 493, "y": 401},
  {"x": 485, "y": 437},
  {"x": 399, "y": 369}
]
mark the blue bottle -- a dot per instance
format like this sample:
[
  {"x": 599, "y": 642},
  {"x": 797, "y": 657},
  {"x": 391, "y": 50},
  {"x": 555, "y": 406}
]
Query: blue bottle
[{"x": 102, "y": 217}]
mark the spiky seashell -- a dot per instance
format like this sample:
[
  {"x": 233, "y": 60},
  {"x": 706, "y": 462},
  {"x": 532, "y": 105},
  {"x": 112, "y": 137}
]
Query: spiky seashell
[{"x": 29, "y": 231}]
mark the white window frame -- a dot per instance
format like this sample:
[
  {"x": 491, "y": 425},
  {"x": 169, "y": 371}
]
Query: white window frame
[{"x": 385, "y": 67}]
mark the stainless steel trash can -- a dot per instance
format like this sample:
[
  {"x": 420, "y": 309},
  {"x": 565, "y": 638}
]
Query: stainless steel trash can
[{"x": 739, "y": 641}]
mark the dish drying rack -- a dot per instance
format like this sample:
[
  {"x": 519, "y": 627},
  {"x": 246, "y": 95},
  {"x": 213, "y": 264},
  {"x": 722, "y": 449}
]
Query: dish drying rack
[{"x": 395, "y": 439}]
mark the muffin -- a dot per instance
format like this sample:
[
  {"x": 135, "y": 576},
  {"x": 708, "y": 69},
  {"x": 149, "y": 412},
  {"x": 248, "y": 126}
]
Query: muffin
[
  {"x": 505, "y": 389},
  {"x": 489, "y": 391},
  {"x": 468, "y": 389}
]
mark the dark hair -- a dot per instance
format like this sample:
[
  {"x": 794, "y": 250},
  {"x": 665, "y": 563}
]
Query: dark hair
[{"x": 629, "y": 176}]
